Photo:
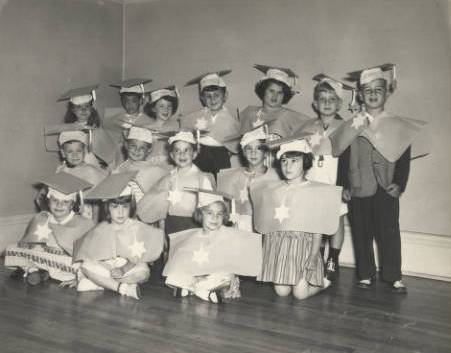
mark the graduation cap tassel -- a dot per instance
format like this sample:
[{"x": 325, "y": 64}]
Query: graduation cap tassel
[
  {"x": 94, "y": 96},
  {"x": 353, "y": 105},
  {"x": 198, "y": 139},
  {"x": 233, "y": 213},
  {"x": 89, "y": 140}
]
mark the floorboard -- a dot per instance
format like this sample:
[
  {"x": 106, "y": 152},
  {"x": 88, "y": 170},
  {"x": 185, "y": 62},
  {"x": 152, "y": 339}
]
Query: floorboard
[{"x": 343, "y": 318}]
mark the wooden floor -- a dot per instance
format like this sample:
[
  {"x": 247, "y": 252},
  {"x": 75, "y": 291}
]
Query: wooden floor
[{"x": 344, "y": 318}]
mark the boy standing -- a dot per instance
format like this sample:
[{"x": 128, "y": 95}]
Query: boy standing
[
  {"x": 379, "y": 164},
  {"x": 215, "y": 151}
]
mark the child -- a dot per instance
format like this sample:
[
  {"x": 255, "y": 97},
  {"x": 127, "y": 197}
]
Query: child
[
  {"x": 82, "y": 114},
  {"x": 216, "y": 119},
  {"x": 115, "y": 254},
  {"x": 292, "y": 214},
  {"x": 168, "y": 200},
  {"x": 162, "y": 106},
  {"x": 73, "y": 147},
  {"x": 47, "y": 246},
  {"x": 275, "y": 90},
  {"x": 236, "y": 181},
  {"x": 205, "y": 260},
  {"x": 132, "y": 98},
  {"x": 138, "y": 147},
  {"x": 327, "y": 101},
  {"x": 379, "y": 163}
]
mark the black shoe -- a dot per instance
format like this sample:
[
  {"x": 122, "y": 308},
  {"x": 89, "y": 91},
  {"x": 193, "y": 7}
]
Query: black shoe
[
  {"x": 366, "y": 283},
  {"x": 398, "y": 287},
  {"x": 332, "y": 269}
]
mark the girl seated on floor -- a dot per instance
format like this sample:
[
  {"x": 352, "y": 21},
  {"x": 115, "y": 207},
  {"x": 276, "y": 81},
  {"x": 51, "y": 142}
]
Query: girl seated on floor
[
  {"x": 116, "y": 253},
  {"x": 204, "y": 261},
  {"x": 46, "y": 249}
]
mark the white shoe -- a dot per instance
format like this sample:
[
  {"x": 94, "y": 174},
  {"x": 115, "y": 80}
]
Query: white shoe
[
  {"x": 399, "y": 287},
  {"x": 129, "y": 290}
]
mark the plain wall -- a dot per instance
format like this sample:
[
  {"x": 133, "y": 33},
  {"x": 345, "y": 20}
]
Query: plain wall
[
  {"x": 48, "y": 47},
  {"x": 173, "y": 41}
]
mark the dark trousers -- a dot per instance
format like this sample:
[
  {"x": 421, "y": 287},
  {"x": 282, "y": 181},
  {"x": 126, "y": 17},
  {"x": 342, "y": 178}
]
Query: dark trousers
[
  {"x": 211, "y": 159},
  {"x": 376, "y": 217}
]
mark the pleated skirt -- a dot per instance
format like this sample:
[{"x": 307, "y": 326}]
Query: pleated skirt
[{"x": 286, "y": 258}]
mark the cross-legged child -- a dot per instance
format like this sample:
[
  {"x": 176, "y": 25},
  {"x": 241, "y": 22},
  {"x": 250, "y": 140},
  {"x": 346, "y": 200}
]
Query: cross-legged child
[
  {"x": 46, "y": 249},
  {"x": 292, "y": 214},
  {"x": 115, "y": 254},
  {"x": 378, "y": 144},
  {"x": 214, "y": 117},
  {"x": 204, "y": 260}
]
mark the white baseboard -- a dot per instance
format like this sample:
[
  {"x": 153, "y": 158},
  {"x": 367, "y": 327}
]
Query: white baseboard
[{"x": 423, "y": 255}]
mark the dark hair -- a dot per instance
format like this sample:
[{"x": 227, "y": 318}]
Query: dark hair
[
  {"x": 198, "y": 216},
  {"x": 307, "y": 158},
  {"x": 148, "y": 107},
  {"x": 322, "y": 87},
  {"x": 210, "y": 88},
  {"x": 261, "y": 86},
  {"x": 70, "y": 117},
  {"x": 122, "y": 200}
]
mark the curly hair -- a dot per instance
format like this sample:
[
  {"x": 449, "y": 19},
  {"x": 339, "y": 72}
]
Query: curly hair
[
  {"x": 261, "y": 86},
  {"x": 148, "y": 107}
]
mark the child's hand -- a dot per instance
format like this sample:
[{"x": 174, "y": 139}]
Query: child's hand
[
  {"x": 346, "y": 195},
  {"x": 394, "y": 190},
  {"x": 117, "y": 273}
]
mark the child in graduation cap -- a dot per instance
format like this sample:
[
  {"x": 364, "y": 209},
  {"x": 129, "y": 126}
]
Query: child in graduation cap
[
  {"x": 214, "y": 117},
  {"x": 73, "y": 148},
  {"x": 378, "y": 145},
  {"x": 131, "y": 93},
  {"x": 138, "y": 145},
  {"x": 204, "y": 260},
  {"x": 236, "y": 181},
  {"x": 47, "y": 246},
  {"x": 275, "y": 89},
  {"x": 115, "y": 254},
  {"x": 161, "y": 106},
  {"x": 167, "y": 200},
  {"x": 292, "y": 214},
  {"x": 327, "y": 101},
  {"x": 82, "y": 114}
]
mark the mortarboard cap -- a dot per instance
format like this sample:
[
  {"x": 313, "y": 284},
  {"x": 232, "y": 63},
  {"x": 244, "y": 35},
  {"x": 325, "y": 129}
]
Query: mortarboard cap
[
  {"x": 112, "y": 187},
  {"x": 294, "y": 146},
  {"x": 132, "y": 85},
  {"x": 281, "y": 74},
  {"x": 66, "y": 136},
  {"x": 81, "y": 95},
  {"x": 170, "y": 91},
  {"x": 64, "y": 186},
  {"x": 385, "y": 71},
  {"x": 209, "y": 79},
  {"x": 186, "y": 136},
  {"x": 259, "y": 133},
  {"x": 139, "y": 133},
  {"x": 207, "y": 197},
  {"x": 336, "y": 85}
]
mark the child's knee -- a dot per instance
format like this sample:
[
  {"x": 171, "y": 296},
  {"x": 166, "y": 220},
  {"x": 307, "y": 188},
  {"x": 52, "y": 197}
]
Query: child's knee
[
  {"x": 282, "y": 290},
  {"x": 138, "y": 274},
  {"x": 93, "y": 267}
]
